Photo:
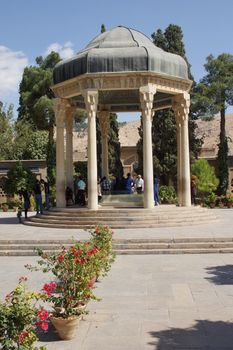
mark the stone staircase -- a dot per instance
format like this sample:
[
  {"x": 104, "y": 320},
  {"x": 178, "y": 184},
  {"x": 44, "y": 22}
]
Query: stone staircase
[
  {"x": 126, "y": 246},
  {"x": 122, "y": 218}
]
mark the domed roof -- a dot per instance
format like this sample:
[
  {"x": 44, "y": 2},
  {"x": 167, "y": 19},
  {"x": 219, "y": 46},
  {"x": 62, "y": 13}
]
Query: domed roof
[{"x": 121, "y": 50}]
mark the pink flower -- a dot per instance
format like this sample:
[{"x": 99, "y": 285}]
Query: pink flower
[
  {"x": 60, "y": 257},
  {"x": 42, "y": 314},
  {"x": 43, "y": 325},
  {"x": 49, "y": 288}
]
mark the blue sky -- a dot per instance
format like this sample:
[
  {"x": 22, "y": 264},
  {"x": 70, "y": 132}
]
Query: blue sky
[{"x": 30, "y": 28}]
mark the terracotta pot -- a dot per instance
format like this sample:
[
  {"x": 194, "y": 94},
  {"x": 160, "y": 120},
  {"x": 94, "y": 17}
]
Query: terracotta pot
[{"x": 66, "y": 327}]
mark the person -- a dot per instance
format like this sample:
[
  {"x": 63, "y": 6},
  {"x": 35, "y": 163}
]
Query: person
[
  {"x": 105, "y": 185},
  {"x": 81, "y": 186},
  {"x": 27, "y": 204},
  {"x": 139, "y": 184},
  {"x": 76, "y": 189},
  {"x": 69, "y": 196},
  {"x": 156, "y": 190},
  {"x": 129, "y": 184},
  {"x": 193, "y": 189},
  {"x": 99, "y": 190},
  {"x": 47, "y": 192},
  {"x": 38, "y": 197}
]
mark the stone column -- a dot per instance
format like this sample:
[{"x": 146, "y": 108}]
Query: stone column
[
  {"x": 181, "y": 107},
  {"x": 69, "y": 147},
  {"x": 146, "y": 99},
  {"x": 60, "y": 111},
  {"x": 175, "y": 107},
  {"x": 91, "y": 102},
  {"x": 104, "y": 125}
]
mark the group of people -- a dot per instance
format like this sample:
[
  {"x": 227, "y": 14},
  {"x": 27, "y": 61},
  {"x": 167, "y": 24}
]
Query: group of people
[{"x": 39, "y": 187}]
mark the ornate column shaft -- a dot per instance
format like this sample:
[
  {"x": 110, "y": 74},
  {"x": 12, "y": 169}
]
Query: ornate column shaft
[
  {"x": 181, "y": 107},
  {"x": 146, "y": 99},
  {"x": 91, "y": 102},
  {"x": 104, "y": 125},
  {"x": 69, "y": 146},
  {"x": 60, "y": 111}
]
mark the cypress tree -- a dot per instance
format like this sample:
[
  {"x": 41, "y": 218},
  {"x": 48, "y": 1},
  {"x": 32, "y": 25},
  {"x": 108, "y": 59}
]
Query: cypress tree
[{"x": 164, "y": 125}]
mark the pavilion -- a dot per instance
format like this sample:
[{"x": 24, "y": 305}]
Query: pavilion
[{"x": 120, "y": 70}]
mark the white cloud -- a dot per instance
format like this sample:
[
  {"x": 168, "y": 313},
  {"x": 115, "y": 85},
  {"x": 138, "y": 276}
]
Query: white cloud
[
  {"x": 12, "y": 64},
  {"x": 65, "y": 51}
]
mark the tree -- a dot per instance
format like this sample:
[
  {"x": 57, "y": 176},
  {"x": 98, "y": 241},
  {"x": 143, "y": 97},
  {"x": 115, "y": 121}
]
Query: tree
[
  {"x": 6, "y": 131},
  {"x": 206, "y": 179},
  {"x": 164, "y": 125},
  {"x": 35, "y": 104},
  {"x": 19, "y": 178},
  {"x": 214, "y": 94},
  {"x": 28, "y": 143},
  {"x": 103, "y": 29},
  {"x": 115, "y": 165}
]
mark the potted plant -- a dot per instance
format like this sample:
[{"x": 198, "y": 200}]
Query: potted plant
[
  {"x": 211, "y": 200},
  {"x": 5, "y": 207},
  {"x": 19, "y": 319},
  {"x": 229, "y": 200},
  {"x": 73, "y": 270}
]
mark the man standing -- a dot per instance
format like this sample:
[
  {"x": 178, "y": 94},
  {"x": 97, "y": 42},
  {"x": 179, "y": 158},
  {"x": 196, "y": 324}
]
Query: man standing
[
  {"x": 139, "y": 184},
  {"x": 46, "y": 191},
  {"x": 81, "y": 186},
  {"x": 38, "y": 197}
]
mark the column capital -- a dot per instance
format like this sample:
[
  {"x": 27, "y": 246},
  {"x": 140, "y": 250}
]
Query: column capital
[
  {"x": 69, "y": 112},
  {"x": 60, "y": 106},
  {"x": 91, "y": 101},
  {"x": 147, "y": 93},
  {"x": 180, "y": 105},
  {"x": 104, "y": 122}
]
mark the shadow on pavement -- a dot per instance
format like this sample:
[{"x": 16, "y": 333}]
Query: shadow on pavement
[
  {"x": 11, "y": 220},
  {"x": 203, "y": 335},
  {"x": 49, "y": 336},
  {"x": 221, "y": 275}
]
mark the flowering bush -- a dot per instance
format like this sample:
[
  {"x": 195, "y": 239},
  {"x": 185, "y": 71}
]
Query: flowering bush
[
  {"x": 74, "y": 272},
  {"x": 102, "y": 240},
  {"x": 75, "y": 269},
  {"x": 20, "y": 317}
]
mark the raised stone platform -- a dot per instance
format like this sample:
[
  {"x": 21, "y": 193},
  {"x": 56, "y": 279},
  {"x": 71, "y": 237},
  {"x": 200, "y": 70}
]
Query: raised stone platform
[{"x": 160, "y": 216}]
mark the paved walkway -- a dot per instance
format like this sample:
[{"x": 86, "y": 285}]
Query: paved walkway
[
  {"x": 157, "y": 302},
  {"x": 11, "y": 229}
]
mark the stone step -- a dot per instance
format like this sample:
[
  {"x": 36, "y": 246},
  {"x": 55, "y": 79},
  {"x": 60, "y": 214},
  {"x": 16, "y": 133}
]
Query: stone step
[
  {"x": 114, "y": 225},
  {"x": 131, "y": 251},
  {"x": 122, "y": 246},
  {"x": 174, "y": 251},
  {"x": 122, "y": 217}
]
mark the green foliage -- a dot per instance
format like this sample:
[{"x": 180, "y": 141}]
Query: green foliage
[
  {"x": 164, "y": 125},
  {"x": 80, "y": 169},
  {"x": 103, "y": 29},
  {"x": 19, "y": 178},
  {"x": 75, "y": 269},
  {"x": 168, "y": 194},
  {"x": 115, "y": 165},
  {"x": 214, "y": 94},
  {"x": 211, "y": 198},
  {"x": 223, "y": 166},
  {"x": 206, "y": 178},
  {"x": 19, "y": 318},
  {"x": 6, "y": 131},
  {"x": 35, "y": 103},
  {"x": 51, "y": 163}
]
